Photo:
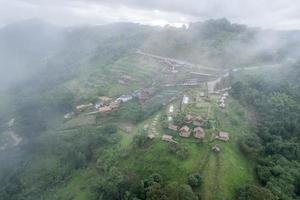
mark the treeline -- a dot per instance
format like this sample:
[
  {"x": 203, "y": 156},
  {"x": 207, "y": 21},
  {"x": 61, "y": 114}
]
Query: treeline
[
  {"x": 52, "y": 158},
  {"x": 112, "y": 181},
  {"x": 273, "y": 96}
]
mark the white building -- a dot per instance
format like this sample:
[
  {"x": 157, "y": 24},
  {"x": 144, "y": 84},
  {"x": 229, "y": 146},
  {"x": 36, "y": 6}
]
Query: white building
[
  {"x": 125, "y": 98},
  {"x": 185, "y": 99},
  {"x": 171, "y": 109}
]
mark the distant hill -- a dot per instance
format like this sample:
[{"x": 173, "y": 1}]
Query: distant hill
[{"x": 30, "y": 46}]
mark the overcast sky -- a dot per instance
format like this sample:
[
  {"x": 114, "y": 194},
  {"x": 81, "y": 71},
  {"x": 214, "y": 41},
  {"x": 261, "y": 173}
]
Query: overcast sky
[{"x": 276, "y": 14}]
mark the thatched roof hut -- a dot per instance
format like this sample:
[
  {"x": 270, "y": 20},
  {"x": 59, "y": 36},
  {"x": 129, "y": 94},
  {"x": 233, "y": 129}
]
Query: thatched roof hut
[
  {"x": 198, "y": 121},
  {"x": 188, "y": 119},
  {"x": 173, "y": 127},
  {"x": 216, "y": 148},
  {"x": 185, "y": 131},
  {"x": 168, "y": 138},
  {"x": 105, "y": 109},
  {"x": 199, "y": 133},
  {"x": 224, "y": 136}
]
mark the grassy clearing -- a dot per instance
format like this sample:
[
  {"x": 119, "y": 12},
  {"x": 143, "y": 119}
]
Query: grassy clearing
[
  {"x": 78, "y": 121},
  {"x": 76, "y": 188},
  {"x": 233, "y": 168},
  {"x": 222, "y": 172},
  {"x": 94, "y": 77},
  {"x": 157, "y": 159}
]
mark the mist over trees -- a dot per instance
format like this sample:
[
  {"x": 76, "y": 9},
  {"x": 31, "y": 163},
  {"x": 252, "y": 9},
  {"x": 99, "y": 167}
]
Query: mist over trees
[
  {"x": 37, "y": 59},
  {"x": 275, "y": 100}
]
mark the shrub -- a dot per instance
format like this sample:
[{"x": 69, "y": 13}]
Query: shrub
[{"x": 195, "y": 180}]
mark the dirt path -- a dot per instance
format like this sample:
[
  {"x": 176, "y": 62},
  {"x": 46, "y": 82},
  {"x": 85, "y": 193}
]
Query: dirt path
[
  {"x": 212, "y": 84},
  {"x": 212, "y": 187},
  {"x": 152, "y": 128}
]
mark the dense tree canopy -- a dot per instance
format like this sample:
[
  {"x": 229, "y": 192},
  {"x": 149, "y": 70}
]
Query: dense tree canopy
[{"x": 276, "y": 104}]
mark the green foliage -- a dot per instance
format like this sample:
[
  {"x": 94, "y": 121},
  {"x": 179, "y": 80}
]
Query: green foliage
[
  {"x": 31, "y": 119},
  {"x": 141, "y": 140},
  {"x": 180, "y": 151},
  {"x": 175, "y": 191},
  {"x": 131, "y": 111},
  {"x": 194, "y": 180},
  {"x": 110, "y": 186},
  {"x": 251, "y": 146},
  {"x": 252, "y": 192},
  {"x": 164, "y": 121},
  {"x": 156, "y": 191},
  {"x": 277, "y": 108},
  {"x": 110, "y": 129},
  {"x": 60, "y": 98},
  {"x": 179, "y": 119},
  {"x": 51, "y": 157}
]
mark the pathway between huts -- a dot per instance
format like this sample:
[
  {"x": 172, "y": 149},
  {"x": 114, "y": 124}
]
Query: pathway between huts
[
  {"x": 212, "y": 188},
  {"x": 152, "y": 128}
]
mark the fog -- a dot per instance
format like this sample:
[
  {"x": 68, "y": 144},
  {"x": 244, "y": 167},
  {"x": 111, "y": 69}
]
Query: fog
[
  {"x": 277, "y": 14},
  {"x": 57, "y": 57}
]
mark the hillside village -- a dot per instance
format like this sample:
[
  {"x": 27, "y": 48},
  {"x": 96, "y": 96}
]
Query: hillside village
[
  {"x": 206, "y": 110},
  {"x": 207, "y": 92},
  {"x": 184, "y": 103}
]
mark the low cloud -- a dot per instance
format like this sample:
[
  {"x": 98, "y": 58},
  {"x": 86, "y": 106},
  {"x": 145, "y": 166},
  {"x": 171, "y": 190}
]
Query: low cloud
[{"x": 276, "y": 14}]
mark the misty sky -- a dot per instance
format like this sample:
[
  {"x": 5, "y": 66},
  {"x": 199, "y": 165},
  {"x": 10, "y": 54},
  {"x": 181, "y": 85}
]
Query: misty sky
[{"x": 276, "y": 14}]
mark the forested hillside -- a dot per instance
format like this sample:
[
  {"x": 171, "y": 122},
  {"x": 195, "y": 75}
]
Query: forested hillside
[
  {"x": 54, "y": 78},
  {"x": 274, "y": 99}
]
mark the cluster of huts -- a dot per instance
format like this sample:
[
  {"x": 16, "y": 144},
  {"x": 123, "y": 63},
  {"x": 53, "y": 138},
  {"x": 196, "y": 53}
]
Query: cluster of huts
[
  {"x": 106, "y": 104},
  {"x": 224, "y": 136},
  {"x": 102, "y": 105},
  {"x": 198, "y": 132},
  {"x": 185, "y": 131},
  {"x": 222, "y": 100}
]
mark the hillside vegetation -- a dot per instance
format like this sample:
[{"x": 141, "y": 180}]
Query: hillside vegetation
[{"x": 66, "y": 154}]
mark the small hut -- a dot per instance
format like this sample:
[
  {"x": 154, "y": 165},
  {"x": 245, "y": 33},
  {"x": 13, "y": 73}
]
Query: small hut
[
  {"x": 69, "y": 115},
  {"x": 201, "y": 94},
  {"x": 222, "y": 105},
  {"x": 185, "y": 131},
  {"x": 198, "y": 121},
  {"x": 199, "y": 133},
  {"x": 173, "y": 127},
  {"x": 151, "y": 136},
  {"x": 216, "y": 148},
  {"x": 168, "y": 138},
  {"x": 124, "y": 98},
  {"x": 98, "y": 104},
  {"x": 224, "y": 136},
  {"x": 105, "y": 99},
  {"x": 115, "y": 104},
  {"x": 188, "y": 119},
  {"x": 82, "y": 107},
  {"x": 105, "y": 109}
]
